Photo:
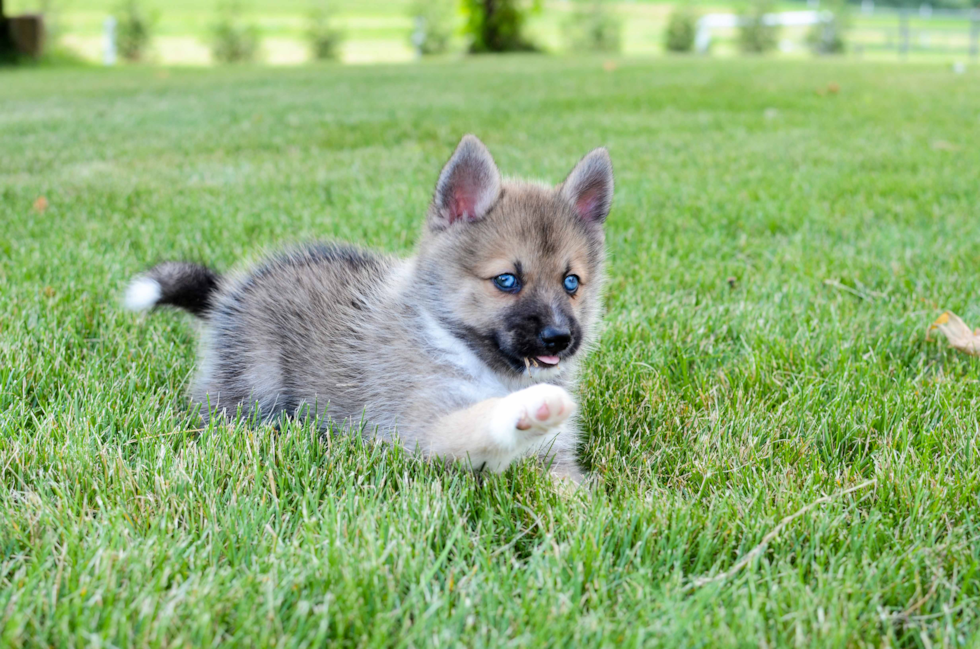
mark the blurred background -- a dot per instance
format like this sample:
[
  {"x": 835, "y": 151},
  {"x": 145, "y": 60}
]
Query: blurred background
[{"x": 292, "y": 32}]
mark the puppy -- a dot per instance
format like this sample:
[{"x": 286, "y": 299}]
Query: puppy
[{"x": 466, "y": 351}]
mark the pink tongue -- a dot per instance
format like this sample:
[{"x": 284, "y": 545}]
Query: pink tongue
[{"x": 549, "y": 360}]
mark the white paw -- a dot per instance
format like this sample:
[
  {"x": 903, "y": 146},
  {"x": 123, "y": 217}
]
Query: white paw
[{"x": 531, "y": 412}]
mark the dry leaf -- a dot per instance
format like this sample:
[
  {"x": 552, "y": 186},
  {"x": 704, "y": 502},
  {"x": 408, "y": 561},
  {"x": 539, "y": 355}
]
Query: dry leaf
[
  {"x": 40, "y": 204},
  {"x": 833, "y": 88},
  {"x": 959, "y": 335},
  {"x": 609, "y": 66}
]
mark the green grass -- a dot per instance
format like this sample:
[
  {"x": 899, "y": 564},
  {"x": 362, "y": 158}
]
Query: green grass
[{"x": 776, "y": 254}]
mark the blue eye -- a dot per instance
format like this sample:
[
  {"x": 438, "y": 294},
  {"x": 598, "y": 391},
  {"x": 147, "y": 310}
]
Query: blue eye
[
  {"x": 507, "y": 282},
  {"x": 571, "y": 283}
]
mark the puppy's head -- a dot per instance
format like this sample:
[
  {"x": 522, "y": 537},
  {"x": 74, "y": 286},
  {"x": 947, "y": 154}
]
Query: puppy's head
[{"x": 512, "y": 268}]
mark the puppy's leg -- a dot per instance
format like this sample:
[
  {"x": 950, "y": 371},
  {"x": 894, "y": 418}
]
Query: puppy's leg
[
  {"x": 493, "y": 433},
  {"x": 561, "y": 458}
]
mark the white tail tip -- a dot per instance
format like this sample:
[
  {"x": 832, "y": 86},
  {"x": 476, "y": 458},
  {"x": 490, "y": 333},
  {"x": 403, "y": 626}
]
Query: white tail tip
[{"x": 142, "y": 294}]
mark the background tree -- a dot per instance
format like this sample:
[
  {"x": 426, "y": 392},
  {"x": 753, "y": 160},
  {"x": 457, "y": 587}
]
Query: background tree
[
  {"x": 827, "y": 37},
  {"x": 323, "y": 35},
  {"x": 437, "y": 21},
  {"x": 134, "y": 30},
  {"x": 7, "y": 52},
  {"x": 234, "y": 39},
  {"x": 681, "y": 29},
  {"x": 498, "y": 25},
  {"x": 594, "y": 26},
  {"x": 755, "y": 35}
]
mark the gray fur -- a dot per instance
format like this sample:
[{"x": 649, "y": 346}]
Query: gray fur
[{"x": 405, "y": 345}]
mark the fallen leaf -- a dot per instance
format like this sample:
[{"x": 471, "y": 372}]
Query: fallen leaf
[
  {"x": 48, "y": 291},
  {"x": 40, "y": 204},
  {"x": 833, "y": 88},
  {"x": 609, "y": 66},
  {"x": 959, "y": 335}
]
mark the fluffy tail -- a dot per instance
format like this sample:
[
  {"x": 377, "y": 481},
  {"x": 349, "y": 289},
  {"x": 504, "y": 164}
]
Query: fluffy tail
[{"x": 188, "y": 286}]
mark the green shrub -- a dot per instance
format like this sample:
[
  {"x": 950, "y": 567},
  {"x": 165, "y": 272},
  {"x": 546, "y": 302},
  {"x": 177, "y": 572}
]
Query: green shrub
[
  {"x": 233, "y": 39},
  {"x": 435, "y": 22},
  {"x": 323, "y": 36},
  {"x": 498, "y": 25},
  {"x": 681, "y": 30},
  {"x": 828, "y": 36},
  {"x": 594, "y": 27},
  {"x": 754, "y": 35},
  {"x": 134, "y": 30}
]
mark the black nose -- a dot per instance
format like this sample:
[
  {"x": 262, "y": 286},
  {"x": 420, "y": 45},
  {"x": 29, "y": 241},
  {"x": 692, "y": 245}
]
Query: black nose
[{"x": 555, "y": 339}]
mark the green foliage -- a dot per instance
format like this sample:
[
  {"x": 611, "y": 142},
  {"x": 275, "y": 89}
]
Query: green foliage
[
  {"x": 323, "y": 36},
  {"x": 498, "y": 25},
  {"x": 438, "y": 22},
  {"x": 681, "y": 29},
  {"x": 233, "y": 38},
  {"x": 770, "y": 280},
  {"x": 58, "y": 56},
  {"x": 134, "y": 30},
  {"x": 594, "y": 27},
  {"x": 828, "y": 37},
  {"x": 755, "y": 36}
]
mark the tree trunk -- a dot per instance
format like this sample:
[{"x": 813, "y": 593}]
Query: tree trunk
[
  {"x": 7, "y": 52},
  {"x": 490, "y": 36}
]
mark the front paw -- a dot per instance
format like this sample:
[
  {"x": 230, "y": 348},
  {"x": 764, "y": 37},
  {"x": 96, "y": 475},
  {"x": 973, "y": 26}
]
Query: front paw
[{"x": 532, "y": 412}]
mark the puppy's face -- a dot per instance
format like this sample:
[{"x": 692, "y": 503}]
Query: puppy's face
[{"x": 514, "y": 269}]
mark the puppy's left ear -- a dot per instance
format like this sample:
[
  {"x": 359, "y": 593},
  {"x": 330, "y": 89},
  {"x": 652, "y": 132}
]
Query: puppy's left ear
[
  {"x": 468, "y": 186},
  {"x": 589, "y": 188}
]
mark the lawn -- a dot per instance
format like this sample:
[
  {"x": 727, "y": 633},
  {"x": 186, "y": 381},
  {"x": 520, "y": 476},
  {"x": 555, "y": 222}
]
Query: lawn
[{"x": 781, "y": 457}]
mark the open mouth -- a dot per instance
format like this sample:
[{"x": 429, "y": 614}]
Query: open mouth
[{"x": 542, "y": 361}]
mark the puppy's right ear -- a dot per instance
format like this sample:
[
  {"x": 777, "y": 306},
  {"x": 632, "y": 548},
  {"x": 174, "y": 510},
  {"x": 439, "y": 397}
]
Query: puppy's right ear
[
  {"x": 468, "y": 186},
  {"x": 589, "y": 187}
]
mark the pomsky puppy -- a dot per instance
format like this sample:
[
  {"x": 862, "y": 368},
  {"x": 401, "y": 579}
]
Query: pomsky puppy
[{"x": 466, "y": 351}]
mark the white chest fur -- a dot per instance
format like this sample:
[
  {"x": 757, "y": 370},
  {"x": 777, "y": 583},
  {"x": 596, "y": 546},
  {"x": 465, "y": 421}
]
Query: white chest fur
[{"x": 467, "y": 378}]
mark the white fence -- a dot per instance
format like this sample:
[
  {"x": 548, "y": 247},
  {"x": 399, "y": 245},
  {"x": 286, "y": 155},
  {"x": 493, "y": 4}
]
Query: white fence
[
  {"x": 921, "y": 29},
  {"x": 709, "y": 22}
]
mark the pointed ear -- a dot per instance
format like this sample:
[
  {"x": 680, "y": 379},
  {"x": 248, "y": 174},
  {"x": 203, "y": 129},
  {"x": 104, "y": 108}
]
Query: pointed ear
[
  {"x": 468, "y": 186},
  {"x": 589, "y": 187}
]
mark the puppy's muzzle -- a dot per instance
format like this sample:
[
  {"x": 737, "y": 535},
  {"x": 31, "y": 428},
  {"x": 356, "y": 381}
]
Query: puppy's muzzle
[{"x": 554, "y": 339}]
